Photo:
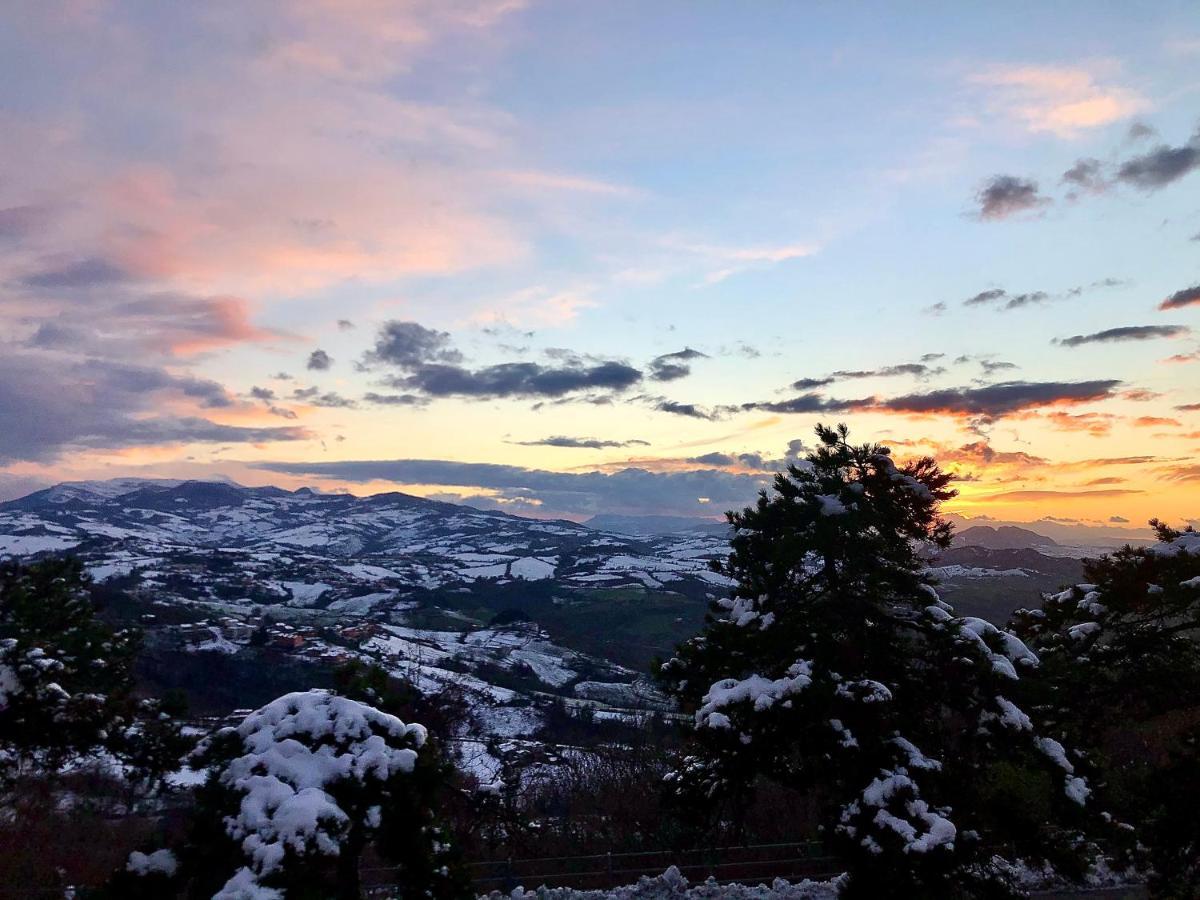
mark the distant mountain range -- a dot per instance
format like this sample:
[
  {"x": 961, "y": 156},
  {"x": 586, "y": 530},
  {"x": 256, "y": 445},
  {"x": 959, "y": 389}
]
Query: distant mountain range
[
  {"x": 657, "y": 525},
  {"x": 510, "y": 609},
  {"x": 1006, "y": 537}
]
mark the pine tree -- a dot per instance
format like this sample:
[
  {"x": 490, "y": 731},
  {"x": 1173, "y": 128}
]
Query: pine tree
[
  {"x": 835, "y": 669},
  {"x": 66, "y": 680},
  {"x": 1121, "y": 675}
]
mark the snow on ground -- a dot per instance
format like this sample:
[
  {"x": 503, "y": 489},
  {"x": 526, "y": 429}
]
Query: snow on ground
[
  {"x": 957, "y": 571},
  {"x": 531, "y": 568},
  {"x": 368, "y": 573},
  {"x": 25, "y": 544},
  {"x": 671, "y": 885}
]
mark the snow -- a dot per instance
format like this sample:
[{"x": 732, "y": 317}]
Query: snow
[
  {"x": 761, "y": 693},
  {"x": 28, "y": 544},
  {"x": 1187, "y": 542},
  {"x": 295, "y": 749},
  {"x": 531, "y": 569},
  {"x": 159, "y": 862},
  {"x": 672, "y": 885}
]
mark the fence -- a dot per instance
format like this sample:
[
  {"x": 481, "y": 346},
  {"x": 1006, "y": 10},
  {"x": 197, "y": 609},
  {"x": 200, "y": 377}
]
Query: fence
[{"x": 755, "y": 863}]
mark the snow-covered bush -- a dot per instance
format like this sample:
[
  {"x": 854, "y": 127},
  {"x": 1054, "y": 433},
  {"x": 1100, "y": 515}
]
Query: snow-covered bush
[
  {"x": 299, "y": 789},
  {"x": 835, "y": 669}
]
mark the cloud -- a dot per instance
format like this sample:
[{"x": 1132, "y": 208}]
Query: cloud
[
  {"x": 1118, "y": 520},
  {"x": 673, "y": 366},
  {"x": 345, "y": 325},
  {"x": 1025, "y": 496},
  {"x": 998, "y": 400},
  {"x": 1152, "y": 421},
  {"x": 428, "y": 364},
  {"x": 999, "y": 298},
  {"x": 17, "y": 222},
  {"x": 394, "y": 399},
  {"x": 1161, "y": 166},
  {"x": 1187, "y": 297},
  {"x": 1189, "y": 472},
  {"x": 689, "y": 410},
  {"x": 1086, "y": 175},
  {"x": 66, "y": 405},
  {"x": 805, "y": 403},
  {"x": 1004, "y": 196},
  {"x": 808, "y": 384},
  {"x": 318, "y": 361},
  {"x": 315, "y": 397},
  {"x": 580, "y": 443},
  {"x": 1124, "y": 333},
  {"x": 917, "y": 370},
  {"x": 1060, "y": 100},
  {"x": 262, "y": 393},
  {"x": 525, "y": 379},
  {"x": 81, "y": 273},
  {"x": 630, "y": 490},
  {"x": 408, "y": 345}
]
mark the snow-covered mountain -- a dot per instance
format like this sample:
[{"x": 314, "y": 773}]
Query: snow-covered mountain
[{"x": 408, "y": 542}]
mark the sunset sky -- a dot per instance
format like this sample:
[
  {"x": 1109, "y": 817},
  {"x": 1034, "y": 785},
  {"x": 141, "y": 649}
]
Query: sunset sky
[{"x": 564, "y": 258}]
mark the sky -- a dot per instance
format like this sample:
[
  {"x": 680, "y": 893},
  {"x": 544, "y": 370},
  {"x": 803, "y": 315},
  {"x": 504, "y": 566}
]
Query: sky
[{"x": 568, "y": 258}]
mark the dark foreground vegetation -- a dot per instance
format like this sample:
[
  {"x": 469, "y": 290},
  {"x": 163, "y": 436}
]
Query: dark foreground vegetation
[{"x": 831, "y": 698}]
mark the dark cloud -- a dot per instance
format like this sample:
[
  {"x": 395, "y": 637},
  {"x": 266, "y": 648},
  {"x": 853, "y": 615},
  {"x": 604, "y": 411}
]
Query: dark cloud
[
  {"x": 429, "y": 366},
  {"x": 631, "y": 490},
  {"x": 1186, "y": 297},
  {"x": 316, "y": 397},
  {"x": 408, "y": 345},
  {"x": 1118, "y": 520},
  {"x": 63, "y": 405},
  {"x": 1002, "y": 299},
  {"x": 91, "y": 271},
  {"x": 1086, "y": 175},
  {"x": 805, "y": 403},
  {"x": 1124, "y": 333},
  {"x": 1188, "y": 407},
  {"x": 17, "y": 222},
  {"x": 691, "y": 410},
  {"x": 516, "y": 380},
  {"x": 580, "y": 443},
  {"x": 997, "y": 400},
  {"x": 919, "y": 370},
  {"x": 991, "y": 367},
  {"x": 672, "y": 366},
  {"x": 1161, "y": 166},
  {"x": 344, "y": 324},
  {"x": 262, "y": 393},
  {"x": 318, "y": 361},
  {"x": 1139, "y": 131},
  {"x": 808, "y": 384},
  {"x": 713, "y": 459},
  {"x": 1003, "y": 196},
  {"x": 394, "y": 399}
]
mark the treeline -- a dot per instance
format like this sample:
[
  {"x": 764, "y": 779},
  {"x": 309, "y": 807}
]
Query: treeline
[{"x": 832, "y": 696}]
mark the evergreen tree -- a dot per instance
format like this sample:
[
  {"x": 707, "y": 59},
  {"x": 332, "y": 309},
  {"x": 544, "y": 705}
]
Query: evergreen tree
[
  {"x": 1121, "y": 675},
  {"x": 834, "y": 668},
  {"x": 66, "y": 680}
]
